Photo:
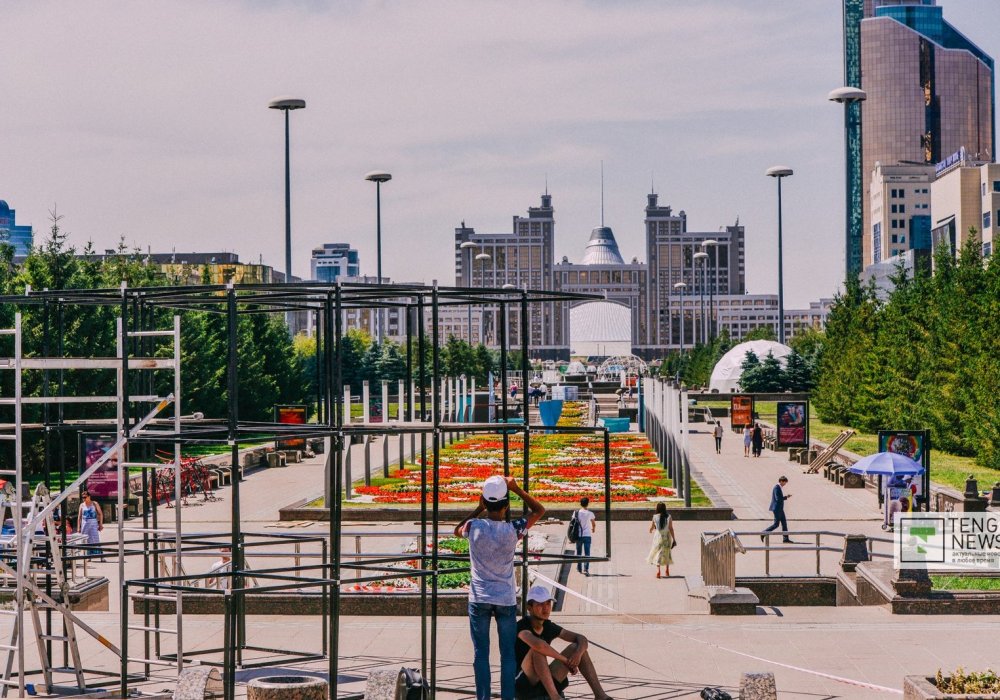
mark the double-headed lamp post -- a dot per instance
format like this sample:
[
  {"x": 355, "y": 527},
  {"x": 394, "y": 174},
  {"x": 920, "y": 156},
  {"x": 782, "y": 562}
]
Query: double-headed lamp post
[
  {"x": 469, "y": 246},
  {"x": 778, "y": 172},
  {"x": 680, "y": 286},
  {"x": 702, "y": 258},
  {"x": 378, "y": 177},
  {"x": 483, "y": 258},
  {"x": 286, "y": 105},
  {"x": 712, "y": 283}
]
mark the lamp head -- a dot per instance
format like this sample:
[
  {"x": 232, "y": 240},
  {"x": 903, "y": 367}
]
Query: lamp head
[
  {"x": 378, "y": 176},
  {"x": 779, "y": 171},
  {"x": 847, "y": 95},
  {"x": 484, "y": 256},
  {"x": 680, "y": 285},
  {"x": 708, "y": 242},
  {"x": 468, "y": 244},
  {"x": 700, "y": 256},
  {"x": 286, "y": 103}
]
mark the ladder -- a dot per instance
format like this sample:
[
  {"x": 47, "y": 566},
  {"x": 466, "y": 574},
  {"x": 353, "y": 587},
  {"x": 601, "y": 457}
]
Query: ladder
[{"x": 827, "y": 454}]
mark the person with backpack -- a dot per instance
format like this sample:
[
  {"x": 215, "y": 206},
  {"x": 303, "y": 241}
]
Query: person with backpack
[{"x": 586, "y": 525}]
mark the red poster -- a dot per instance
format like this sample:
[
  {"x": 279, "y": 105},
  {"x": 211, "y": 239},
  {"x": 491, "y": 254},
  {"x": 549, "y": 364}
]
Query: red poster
[
  {"x": 740, "y": 411},
  {"x": 291, "y": 415},
  {"x": 102, "y": 484}
]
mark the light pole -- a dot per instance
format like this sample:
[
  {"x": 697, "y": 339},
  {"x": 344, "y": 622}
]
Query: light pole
[
  {"x": 483, "y": 258},
  {"x": 713, "y": 283},
  {"x": 702, "y": 258},
  {"x": 779, "y": 172},
  {"x": 378, "y": 177},
  {"x": 851, "y": 98},
  {"x": 287, "y": 104},
  {"x": 680, "y": 286},
  {"x": 470, "y": 246}
]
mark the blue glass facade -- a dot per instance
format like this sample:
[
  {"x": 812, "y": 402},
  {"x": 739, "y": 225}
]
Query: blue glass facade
[{"x": 21, "y": 237}]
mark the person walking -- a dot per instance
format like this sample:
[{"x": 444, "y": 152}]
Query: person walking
[
  {"x": 492, "y": 588},
  {"x": 757, "y": 439},
  {"x": 778, "y": 498},
  {"x": 587, "y": 523},
  {"x": 717, "y": 432},
  {"x": 747, "y": 438},
  {"x": 90, "y": 521},
  {"x": 662, "y": 528}
]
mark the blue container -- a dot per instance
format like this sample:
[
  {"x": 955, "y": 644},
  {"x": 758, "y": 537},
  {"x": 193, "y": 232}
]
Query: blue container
[
  {"x": 614, "y": 425},
  {"x": 549, "y": 411}
]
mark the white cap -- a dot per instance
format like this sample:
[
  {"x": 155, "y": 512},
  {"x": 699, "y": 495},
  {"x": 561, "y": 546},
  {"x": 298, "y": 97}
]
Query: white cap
[
  {"x": 495, "y": 489},
  {"x": 539, "y": 594}
]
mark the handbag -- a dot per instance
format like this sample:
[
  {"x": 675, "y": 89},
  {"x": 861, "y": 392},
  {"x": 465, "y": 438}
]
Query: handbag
[
  {"x": 573, "y": 530},
  {"x": 410, "y": 685}
]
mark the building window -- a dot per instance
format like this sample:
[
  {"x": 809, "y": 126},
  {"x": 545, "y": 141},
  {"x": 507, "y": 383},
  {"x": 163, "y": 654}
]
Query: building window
[
  {"x": 895, "y": 208},
  {"x": 986, "y": 220},
  {"x": 902, "y": 208},
  {"x": 895, "y": 238},
  {"x": 987, "y": 249},
  {"x": 996, "y": 185},
  {"x": 895, "y": 224}
]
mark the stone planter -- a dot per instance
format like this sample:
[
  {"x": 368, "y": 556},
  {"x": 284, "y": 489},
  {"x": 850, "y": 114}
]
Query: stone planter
[
  {"x": 923, "y": 688},
  {"x": 288, "y": 688}
]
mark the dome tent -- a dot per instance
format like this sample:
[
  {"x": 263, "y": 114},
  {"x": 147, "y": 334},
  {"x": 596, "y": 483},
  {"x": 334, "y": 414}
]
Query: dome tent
[{"x": 727, "y": 371}]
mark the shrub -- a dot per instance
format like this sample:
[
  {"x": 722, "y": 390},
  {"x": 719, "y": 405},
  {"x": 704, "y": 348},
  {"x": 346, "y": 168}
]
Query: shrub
[{"x": 962, "y": 682}]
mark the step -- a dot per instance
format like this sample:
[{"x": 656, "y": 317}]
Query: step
[
  {"x": 151, "y": 662},
  {"x": 54, "y": 637}
]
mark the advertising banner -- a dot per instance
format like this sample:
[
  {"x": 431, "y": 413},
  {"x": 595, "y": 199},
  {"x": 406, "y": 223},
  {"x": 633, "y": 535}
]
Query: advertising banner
[
  {"x": 947, "y": 541},
  {"x": 102, "y": 484},
  {"x": 740, "y": 411},
  {"x": 291, "y": 415},
  {"x": 793, "y": 424},
  {"x": 915, "y": 444}
]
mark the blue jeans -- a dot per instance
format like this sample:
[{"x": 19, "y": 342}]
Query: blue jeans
[
  {"x": 583, "y": 547},
  {"x": 479, "y": 624}
]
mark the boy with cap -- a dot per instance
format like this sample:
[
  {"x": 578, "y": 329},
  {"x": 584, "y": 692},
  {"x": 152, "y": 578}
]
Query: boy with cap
[
  {"x": 536, "y": 677},
  {"x": 492, "y": 590}
]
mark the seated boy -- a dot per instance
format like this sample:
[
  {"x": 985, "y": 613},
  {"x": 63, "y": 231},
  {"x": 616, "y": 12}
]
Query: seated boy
[{"x": 537, "y": 677}]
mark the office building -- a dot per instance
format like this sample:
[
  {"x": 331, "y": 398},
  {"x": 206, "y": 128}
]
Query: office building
[
  {"x": 20, "y": 237},
  {"x": 900, "y": 209},
  {"x": 930, "y": 93},
  {"x": 333, "y": 261},
  {"x": 965, "y": 203}
]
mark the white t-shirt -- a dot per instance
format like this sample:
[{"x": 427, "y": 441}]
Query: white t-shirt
[{"x": 585, "y": 518}]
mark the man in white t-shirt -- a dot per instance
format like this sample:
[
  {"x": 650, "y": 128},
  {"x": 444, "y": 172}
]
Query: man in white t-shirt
[{"x": 588, "y": 524}]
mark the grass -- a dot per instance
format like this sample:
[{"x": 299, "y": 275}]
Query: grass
[
  {"x": 357, "y": 411},
  {"x": 947, "y": 469},
  {"x": 965, "y": 583}
]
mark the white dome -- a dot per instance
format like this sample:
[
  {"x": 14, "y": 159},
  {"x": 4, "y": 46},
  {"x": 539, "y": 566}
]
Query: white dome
[
  {"x": 726, "y": 374},
  {"x": 600, "y": 328}
]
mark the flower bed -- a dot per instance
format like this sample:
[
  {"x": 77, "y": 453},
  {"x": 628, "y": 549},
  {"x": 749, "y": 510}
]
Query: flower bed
[{"x": 563, "y": 468}]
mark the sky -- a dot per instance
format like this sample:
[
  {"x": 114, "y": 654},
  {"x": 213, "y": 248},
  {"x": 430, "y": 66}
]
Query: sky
[{"x": 148, "y": 122}]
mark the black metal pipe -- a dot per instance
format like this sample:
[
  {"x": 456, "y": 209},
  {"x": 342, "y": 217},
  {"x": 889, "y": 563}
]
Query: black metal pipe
[{"x": 435, "y": 524}]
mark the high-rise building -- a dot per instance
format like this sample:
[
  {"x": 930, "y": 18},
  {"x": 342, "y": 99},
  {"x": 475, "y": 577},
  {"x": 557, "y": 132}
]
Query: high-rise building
[
  {"x": 21, "y": 237},
  {"x": 930, "y": 92},
  {"x": 965, "y": 203},
  {"x": 332, "y": 261},
  {"x": 900, "y": 209}
]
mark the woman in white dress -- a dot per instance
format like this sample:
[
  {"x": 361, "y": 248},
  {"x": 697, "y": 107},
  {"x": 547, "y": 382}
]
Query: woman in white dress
[{"x": 662, "y": 528}]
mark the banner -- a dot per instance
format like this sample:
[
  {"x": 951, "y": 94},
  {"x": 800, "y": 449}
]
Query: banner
[
  {"x": 291, "y": 415},
  {"x": 915, "y": 444},
  {"x": 793, "y": 424},
  {"x": 947, "y": 541},
  {"x": 102, "y": 484},
  {"x": 740, "y": 411}
]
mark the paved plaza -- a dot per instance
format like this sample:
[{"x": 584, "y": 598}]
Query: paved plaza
[{"x": 655, "y": 644}]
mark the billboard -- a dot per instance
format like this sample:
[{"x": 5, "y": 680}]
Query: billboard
[
  {"x": 915, "y": 444},
  {"x": 793, "y": 424},
  {"x": 291, "y": 414},
  {"x": 102, "y": 484},
  {"x": 740, "y": 411}
]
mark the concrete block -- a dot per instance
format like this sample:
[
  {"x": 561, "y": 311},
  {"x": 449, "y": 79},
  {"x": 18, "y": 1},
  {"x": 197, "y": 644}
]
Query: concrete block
[
  {"x": 276, "y": 459},
  {"x": 855, "y": 551},
  {"x": 288, "y": 688},
  {"x": 381, "y": 685},
  {"x": 758, "y": 686},
  {"x": 198, "y": 683}
]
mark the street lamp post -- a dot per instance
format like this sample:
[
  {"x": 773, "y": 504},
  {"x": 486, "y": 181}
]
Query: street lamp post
[
  {"x": 378, "y": 177},
  {"x": 778, "y": 172},
  {"x": 702, "y": 258},
  {"x": 851, "y": 98},
  {"x": 470, "y": 246},
  {"x": 483, "y": 258},
  {"x": 680, "y": 286},
  {"x": 713, "y": 282},
  {"x": 287, "y": 104}
]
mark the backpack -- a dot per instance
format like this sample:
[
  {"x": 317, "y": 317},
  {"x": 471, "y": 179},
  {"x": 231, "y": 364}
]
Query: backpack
[
  {"x": 573, "y": 531},
  {"x": 410, "y": 685},
  {"x": 715, "y": 694}
]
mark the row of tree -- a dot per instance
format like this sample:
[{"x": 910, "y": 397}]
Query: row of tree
[{"x": 926, "y": 357}]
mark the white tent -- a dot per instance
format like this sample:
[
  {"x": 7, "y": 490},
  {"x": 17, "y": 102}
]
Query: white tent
[{"x": 726, "y": 374}]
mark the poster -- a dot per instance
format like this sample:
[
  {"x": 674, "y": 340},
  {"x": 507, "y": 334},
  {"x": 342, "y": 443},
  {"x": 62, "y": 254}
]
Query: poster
[
  {"x": 915, "y": 444},
  {"x": 102, "y": 484},
  {"x": 740, "y": 411},
  {"x": 291, "y": 415},
  {"x": 793, "y": 424}
]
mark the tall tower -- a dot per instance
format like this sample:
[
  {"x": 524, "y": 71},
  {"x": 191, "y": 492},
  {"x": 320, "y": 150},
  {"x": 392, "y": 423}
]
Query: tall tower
[{"x": 930, "y": 91}]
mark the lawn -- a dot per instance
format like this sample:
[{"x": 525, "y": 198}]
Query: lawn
[
  {"x": 948, "y": 469},
  {"x": 965, "y": 583}
]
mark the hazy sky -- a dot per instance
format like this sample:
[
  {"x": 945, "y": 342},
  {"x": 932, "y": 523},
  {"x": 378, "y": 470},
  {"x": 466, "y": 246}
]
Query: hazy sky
[{"x": 150, "y": 121}]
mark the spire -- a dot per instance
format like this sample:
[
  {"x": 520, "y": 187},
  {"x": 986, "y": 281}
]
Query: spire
[{"x": 602, "y": 194}]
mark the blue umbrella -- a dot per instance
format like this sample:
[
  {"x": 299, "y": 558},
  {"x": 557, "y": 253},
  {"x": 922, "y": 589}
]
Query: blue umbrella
[{"x": 886, "y": 464}]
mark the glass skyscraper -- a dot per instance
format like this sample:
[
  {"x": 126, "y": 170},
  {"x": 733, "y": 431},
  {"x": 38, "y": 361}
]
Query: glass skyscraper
[
  {"x": 21, "y": 237},
  {"x": 930, "y": 92}
]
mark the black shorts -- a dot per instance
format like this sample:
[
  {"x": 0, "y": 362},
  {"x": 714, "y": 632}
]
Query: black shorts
[{"x": 524, "y": 689}]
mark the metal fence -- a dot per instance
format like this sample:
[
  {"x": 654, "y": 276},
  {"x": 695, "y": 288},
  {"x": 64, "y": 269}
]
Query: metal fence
[
  {"x": 718, "y": 558},
  {"x": 714, "y": 558}
]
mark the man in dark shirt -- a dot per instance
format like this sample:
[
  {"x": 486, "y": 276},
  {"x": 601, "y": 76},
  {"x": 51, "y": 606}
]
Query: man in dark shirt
[{"x": 537, "y": 677}]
